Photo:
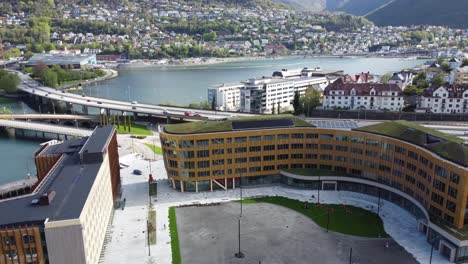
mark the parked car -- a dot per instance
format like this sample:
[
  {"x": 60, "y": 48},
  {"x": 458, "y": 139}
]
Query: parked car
[
  {"x": 187, "y": 113},
  {"x": 137, "y": 172},
  {"x": 165, "y": 111},
  {"x": 196, "y": 115},
  {"x": 83, "y": 95},
  {"x": 99, "y": 102},
  {"x": 134, "y": 102}
]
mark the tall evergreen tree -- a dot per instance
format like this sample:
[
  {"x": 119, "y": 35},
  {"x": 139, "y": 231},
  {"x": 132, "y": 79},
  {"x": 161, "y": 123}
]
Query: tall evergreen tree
[
  {"x": 297, "y": 104},
  {"x": 213, "y": 103}
]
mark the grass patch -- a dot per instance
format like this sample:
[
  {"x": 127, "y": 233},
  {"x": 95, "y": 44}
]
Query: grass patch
[
  {"x": 138, "y": 137},
  {"x": 136, "y": 129},
  {"x": 154, "y": 148},
  {"x": 344, "y": 219},
  {"x": 447, "y": 146},
  {"x": 226, "y": 125},
  {"x": 4, "y": 100},
  {"x": 152, "y": 226},
  {"x": 176, "y": 257}
]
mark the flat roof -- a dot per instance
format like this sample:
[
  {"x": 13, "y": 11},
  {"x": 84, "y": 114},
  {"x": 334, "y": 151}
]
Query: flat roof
[
  {"x": 61, "y": 59},
  {"x": 71, "y": 181}
]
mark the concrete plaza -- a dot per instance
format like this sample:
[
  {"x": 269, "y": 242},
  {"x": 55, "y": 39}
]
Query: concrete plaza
[{"x": 273, "y": 234}]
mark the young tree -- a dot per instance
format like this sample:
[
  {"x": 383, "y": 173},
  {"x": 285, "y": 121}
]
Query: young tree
[
  {"x": 297, "y": 103},
  {"x": 439, "y": 79},
  {"x": 273, "y": 108},
  {"x": 279, "y": 108},
  {"x": 40, "y": 69},
  {"x": 310, "y": 100},
  {"x": 50, "y": 78},
  {"x": 9, "y": 82},
  {"x": 386, "y": 77}
]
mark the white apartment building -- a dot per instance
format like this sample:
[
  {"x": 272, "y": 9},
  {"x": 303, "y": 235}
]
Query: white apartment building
[
  {"x": 227, "y": 96},
  {"x": 263, "y": 94},
  {"x": 444, "y": 99},
  {"x": 258, "y": 95},
  {"x": 365, "y": 96}
]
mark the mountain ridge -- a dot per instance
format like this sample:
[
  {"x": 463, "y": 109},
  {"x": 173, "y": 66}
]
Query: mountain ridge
[{"x": 451, "y": 13}]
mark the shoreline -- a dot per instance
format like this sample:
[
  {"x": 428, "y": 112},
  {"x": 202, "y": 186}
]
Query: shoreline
[{"x": 192, "y": 62}]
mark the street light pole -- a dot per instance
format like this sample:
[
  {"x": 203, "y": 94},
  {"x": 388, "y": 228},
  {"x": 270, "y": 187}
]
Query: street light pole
[
  {"x": 432, "y": 250},
  {"x": 147, "y": 234},
  {"x": 378, "y": 204},
  {"x": 351, "y": 256},
  {"x": 318, "y": 198},
  {"x": 239, "y": 254},
  {"x": 328, "y": 219},
  {"x": 240, "y": 189}
]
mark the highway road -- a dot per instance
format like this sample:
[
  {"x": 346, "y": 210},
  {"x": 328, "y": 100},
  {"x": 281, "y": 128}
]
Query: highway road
[
  {"x": 46, "y": 116},
  {"x": 48, "y": 128},
  {"x": 31, "y": 86}
]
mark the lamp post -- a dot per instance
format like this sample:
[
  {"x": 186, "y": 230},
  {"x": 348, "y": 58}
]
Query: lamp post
[
  {"x": 240, "y": 190},
  {"x": 148, "y": 237},
  {"x": 318, "y": 194},
  {"x": 239, "y": 254},
  {"x": 378, "y": 204}
]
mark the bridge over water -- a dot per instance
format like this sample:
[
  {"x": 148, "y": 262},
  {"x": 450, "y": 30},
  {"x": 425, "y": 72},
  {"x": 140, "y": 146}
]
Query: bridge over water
[{"x": 30, "y": 86}]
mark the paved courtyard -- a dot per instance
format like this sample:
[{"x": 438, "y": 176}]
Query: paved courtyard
[{"x": 273, "y": 234}]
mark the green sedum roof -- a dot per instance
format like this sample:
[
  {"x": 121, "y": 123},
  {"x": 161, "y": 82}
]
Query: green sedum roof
[
  {"x": 211, "y": 126},
  {"x": 447, "y": 146}
]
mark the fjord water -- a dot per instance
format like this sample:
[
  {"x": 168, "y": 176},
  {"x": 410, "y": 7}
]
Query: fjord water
[
  {"x": 188, "y": 84},
  {"x": 17, "y": 158}
]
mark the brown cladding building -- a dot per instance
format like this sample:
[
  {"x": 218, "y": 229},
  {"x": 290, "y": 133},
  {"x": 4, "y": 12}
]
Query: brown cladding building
[
  {"x": 64, "y": 219},
  {"x": 419, "y": 169}
]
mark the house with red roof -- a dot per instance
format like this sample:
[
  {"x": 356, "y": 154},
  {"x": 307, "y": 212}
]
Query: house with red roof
[
  {"x": 446, "y": 98},
  {"x": 365, "y": 96}
]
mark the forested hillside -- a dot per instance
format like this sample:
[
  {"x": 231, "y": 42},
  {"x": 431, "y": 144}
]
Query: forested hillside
[
  {"x": 452, "y": 13},
  {"x": 355, "y": 7}
]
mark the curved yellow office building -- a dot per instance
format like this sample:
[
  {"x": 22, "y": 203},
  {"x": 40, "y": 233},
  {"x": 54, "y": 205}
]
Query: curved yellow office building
[{"x": 419, "y": 169}]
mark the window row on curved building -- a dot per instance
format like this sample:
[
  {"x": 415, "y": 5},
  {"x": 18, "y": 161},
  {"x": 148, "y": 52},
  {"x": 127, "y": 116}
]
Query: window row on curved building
[{"x": 424, "y": 170}]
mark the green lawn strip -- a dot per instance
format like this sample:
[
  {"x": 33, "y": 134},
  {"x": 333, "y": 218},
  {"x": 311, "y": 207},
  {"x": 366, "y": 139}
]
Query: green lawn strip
[
  {"x": 136, "y": 129},
  {"x": 176, "y": 257},
  {"x": 152, "y": 226},
  {"x": 4, "y": 100},
  {"x": 154, "y": 148},
  {"x": 344, "y": 219},
  {"x": 226, "y": 125}
]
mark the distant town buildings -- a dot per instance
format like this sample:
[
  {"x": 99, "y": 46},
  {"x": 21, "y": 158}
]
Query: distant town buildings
[
  {"x": 64, "y": 218},
  {"x": 402, "y": 79},
  {"x": 365, "y": 96},
  {"x": 461, "y": 75},
  {"x": 63, "y": 60},
  {"x": 448, "y": 98}
]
